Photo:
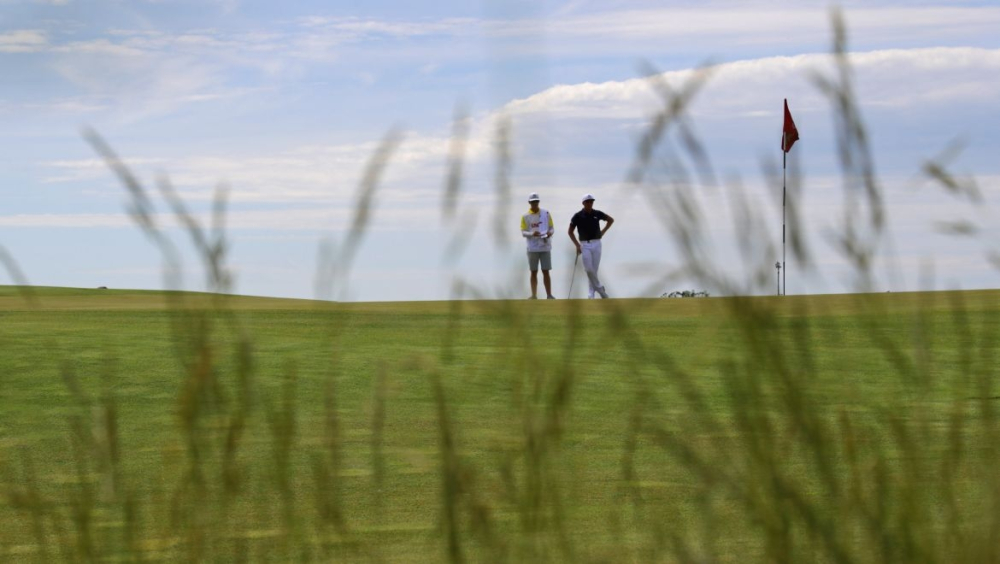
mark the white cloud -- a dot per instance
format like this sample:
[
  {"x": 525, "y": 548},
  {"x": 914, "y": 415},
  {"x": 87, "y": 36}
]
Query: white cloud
[
  {"x": 754, "y": 23},
  {"x": 98, "y": 47},
  {"x": 23, "y": 41},
  {"x": 717, "y": 25},
  {"x": 65, "y": 220},
  {"x": 735, "y": 91},
  {"x": 355, "y": 40},
  {"x": 892, "y": 77},
  {"x": 732, "y": 22},
  {"x": 315, "y": 219},
  {"x": 72, "y": 106},
  {"x": 355, "y": 28},
  {"x": 141, "y": 71},
  {"x": 136, "y": 84},
  {"x": 96, "y": 164},
  {"x": 320, "y": 173}
]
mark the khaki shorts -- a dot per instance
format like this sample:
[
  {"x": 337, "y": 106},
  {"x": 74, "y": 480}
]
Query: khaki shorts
[{"x": 545, "y": 257}]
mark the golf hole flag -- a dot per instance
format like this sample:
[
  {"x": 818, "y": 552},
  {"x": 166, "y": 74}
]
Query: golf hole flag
[{"x": 789, "y": 134}]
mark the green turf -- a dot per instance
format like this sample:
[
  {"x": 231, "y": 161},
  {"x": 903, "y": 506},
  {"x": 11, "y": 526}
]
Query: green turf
[{"x": 802, "y": 428}]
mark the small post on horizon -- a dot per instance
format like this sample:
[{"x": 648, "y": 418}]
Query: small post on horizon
[{"x": 778, "y": 266}]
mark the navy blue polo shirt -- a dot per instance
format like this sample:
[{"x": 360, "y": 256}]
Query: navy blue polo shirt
[{"x": 588, "y": 225}]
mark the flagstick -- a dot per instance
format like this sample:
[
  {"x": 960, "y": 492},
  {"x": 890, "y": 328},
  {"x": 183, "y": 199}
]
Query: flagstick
[{"x": 784, "y": 159}]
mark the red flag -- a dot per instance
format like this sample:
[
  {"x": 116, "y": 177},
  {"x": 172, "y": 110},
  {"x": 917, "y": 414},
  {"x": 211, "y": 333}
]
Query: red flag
[{"x": 789, "y": 134}]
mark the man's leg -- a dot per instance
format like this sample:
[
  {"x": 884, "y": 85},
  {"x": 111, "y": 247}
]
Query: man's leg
[
  {"x": 548, "y": 283},
  {"x": 591, "y": 261},
  {"x": 595, "y": 254},
  {"x": 546, "y": 262},
  {"x": 533, "y": 267},
  {"x": 588, "y": 266}
]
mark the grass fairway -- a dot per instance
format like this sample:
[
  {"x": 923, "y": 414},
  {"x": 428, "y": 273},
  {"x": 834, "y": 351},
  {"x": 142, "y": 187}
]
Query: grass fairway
[{"x": 144, "y": 425}]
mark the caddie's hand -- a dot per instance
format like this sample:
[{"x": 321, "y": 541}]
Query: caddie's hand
[{"x": 536, "y": 233}]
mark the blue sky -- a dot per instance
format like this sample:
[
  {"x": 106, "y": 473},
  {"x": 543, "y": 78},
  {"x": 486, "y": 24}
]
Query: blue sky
[{"x": 286, "y": 102}]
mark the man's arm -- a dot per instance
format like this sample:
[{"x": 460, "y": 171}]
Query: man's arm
[
  {"x": 552, "y": 229},
  {"x": 607, "y": 225},
  {"x": 572, "y": 237},
  {"x": 525, "y": 232}
]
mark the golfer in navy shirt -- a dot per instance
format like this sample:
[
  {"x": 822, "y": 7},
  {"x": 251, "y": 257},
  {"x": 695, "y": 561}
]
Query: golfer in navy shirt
[{"x": 588, "y": 224}]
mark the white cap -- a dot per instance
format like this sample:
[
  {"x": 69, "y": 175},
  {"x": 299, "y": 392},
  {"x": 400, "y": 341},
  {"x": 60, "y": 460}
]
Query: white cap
[
  {"x": 587, "y": 197},
  {"x": 533, "y": 197}
]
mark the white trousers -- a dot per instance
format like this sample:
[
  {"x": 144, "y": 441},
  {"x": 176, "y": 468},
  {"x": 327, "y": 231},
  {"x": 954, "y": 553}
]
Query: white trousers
[{"x": 591, "y": 253}]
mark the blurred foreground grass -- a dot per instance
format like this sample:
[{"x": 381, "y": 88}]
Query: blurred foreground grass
[{"x": 824, "y": 428}]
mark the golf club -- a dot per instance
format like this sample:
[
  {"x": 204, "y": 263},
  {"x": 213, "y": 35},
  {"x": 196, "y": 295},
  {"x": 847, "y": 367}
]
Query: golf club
[{"x": 572, "y": 276}]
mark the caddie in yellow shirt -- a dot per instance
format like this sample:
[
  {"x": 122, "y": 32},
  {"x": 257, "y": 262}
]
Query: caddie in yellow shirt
[{"x": 537, "y": 228}]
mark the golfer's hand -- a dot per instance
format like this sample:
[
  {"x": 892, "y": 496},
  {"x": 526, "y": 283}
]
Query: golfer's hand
[{"x": 579, "y": 250}]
